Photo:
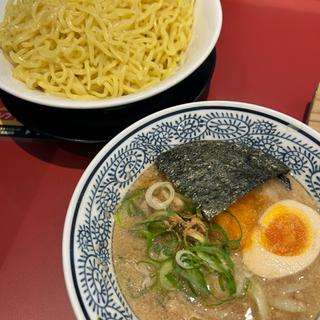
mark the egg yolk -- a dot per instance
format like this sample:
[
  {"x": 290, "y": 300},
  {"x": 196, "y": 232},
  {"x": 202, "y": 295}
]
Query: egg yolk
[{"x": 285, "y": 232}]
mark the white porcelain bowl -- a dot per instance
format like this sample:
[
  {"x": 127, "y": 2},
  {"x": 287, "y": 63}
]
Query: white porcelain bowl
[
  {"x": 87, "y": 241},
  {"x": 207, "y": 27}
]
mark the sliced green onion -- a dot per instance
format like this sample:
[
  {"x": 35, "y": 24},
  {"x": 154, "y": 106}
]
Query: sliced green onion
[
  {"x": 237, "y": 221},
  {"x": 216, "y": 226},
  {"x": 242, "y": 279},
  {"x": 226, "y": 242},
  {"x": 142, "y": 232},
  {"x": 133, "y": 209},
  {"x": 155, "y": 223},
  {"x": 220, "y": 262},
  {"x": 195, "y": 235},
  {"x": 146, "y": 267},
  {"x": 156, "y": 203},
  {"x": 130, "y": 204},
  {"x": 186, "y": 259},
  {"x": 232, "y": 244},
  {"x": 245, "y": 287},
  {"x": 213, "y": 250},
  {"x": 163, "y": 245},
  {"x": 189, "y": 265},
  {"x": 118, "y": 218},
  {"x": 228, "y": 278},
  {"x": 195, "y": 280},
  {"x": 218, "y": 301},
  {"x": 165, "y": 270},
  {"x": 211, "y": 261}
]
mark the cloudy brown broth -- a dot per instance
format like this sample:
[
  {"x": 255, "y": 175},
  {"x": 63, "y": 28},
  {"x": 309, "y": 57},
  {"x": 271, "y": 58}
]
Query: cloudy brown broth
[{"x": 158, "y": 304}]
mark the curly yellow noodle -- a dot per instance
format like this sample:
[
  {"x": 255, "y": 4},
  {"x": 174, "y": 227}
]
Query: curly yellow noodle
[{"x": 84, "y": 49}]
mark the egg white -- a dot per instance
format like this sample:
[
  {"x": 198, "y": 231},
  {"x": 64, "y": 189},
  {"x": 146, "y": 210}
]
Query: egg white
[{"x": 269, "y": 265}]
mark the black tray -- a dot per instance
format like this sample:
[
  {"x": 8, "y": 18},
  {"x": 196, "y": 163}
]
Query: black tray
[{"x": 100, "y": 125}]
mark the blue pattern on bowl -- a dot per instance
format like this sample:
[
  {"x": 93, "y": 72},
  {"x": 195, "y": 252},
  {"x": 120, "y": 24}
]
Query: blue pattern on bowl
[{"x": 90, "y": 252}]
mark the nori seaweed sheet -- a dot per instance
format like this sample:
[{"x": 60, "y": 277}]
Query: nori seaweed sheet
[{"x": 214, "y": 174}]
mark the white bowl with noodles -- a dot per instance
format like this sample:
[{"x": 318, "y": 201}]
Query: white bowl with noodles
[
  {"x": 205, "y": 33},
  {"x": 88, "y": 235}
]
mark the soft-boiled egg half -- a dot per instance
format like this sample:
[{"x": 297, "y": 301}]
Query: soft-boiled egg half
[{"x": 285, "y": 241}]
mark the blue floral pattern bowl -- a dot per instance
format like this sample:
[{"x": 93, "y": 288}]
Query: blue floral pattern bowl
[{"x": 87, "y": 241}]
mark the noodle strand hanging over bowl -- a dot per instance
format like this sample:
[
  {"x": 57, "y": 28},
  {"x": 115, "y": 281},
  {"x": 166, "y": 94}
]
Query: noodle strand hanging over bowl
[{"x": 84, "y": 49}]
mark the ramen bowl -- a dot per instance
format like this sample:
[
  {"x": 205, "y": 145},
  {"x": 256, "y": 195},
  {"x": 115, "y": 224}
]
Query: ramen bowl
[
  {"x": 88, "y": 259},
  {"x": 207, "y": 26}
]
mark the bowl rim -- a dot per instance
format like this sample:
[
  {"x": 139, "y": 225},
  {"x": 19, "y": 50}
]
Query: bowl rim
[
  {"x": 293, "y": 123},
  {"x": 127, "y": 99}
]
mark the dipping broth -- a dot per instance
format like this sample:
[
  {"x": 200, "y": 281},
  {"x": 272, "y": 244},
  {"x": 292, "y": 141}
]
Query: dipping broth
[{"x": 293, "y": 296}]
